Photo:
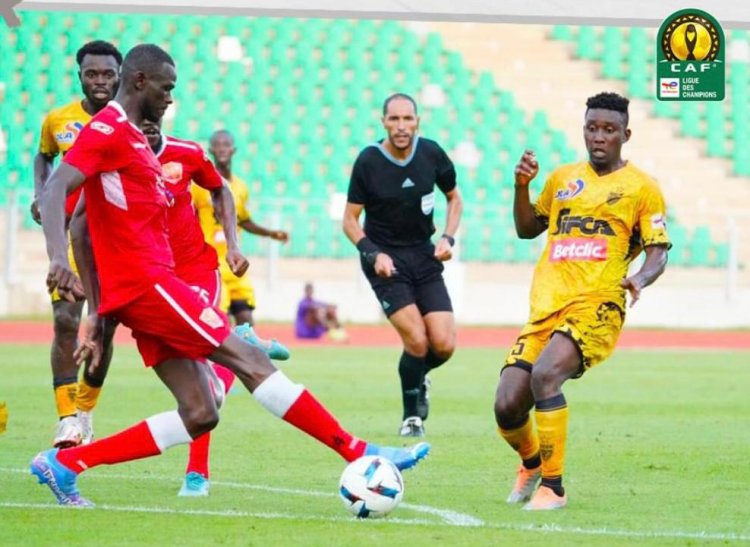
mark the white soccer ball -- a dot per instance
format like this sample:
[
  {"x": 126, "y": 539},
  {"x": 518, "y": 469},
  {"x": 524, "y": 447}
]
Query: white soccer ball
[{"x": 371, "y": 487}]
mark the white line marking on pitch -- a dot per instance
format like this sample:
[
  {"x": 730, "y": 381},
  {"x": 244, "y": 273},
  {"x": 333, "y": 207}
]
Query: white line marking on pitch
[
  {"x": 452, "y": 518},
  {"x": 449, "y": 518},
  {"x": 207, "y": 512}
]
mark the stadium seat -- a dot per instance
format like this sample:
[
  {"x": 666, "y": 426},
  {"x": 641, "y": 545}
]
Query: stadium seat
[{"x": 310, "y": 100}]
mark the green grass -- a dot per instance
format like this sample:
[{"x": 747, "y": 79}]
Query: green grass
[{"x": 657, "y": 454}]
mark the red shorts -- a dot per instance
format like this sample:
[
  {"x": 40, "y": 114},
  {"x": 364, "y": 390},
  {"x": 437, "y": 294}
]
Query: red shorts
[{"x": 175, "y": 319}]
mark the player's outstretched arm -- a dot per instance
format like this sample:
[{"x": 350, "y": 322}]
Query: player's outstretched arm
[
  {"x": 277, "y": 235},
  {"x": 527, "y": 224},
  {"x": 63, "y": 180},
  {"x": 653, "y": 267},
  {"x": 224, "y": 207}
]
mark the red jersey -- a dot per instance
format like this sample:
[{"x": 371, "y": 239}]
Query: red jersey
[
  {"x": 126, "y": 206},
  {"x": 182, "y": 162}
]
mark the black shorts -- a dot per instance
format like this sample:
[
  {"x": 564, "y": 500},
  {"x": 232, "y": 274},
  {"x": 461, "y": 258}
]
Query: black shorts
[{"x": 419, "y": 280}]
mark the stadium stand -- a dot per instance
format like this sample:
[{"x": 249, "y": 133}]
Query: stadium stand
[{"x": 305, "y": 95}]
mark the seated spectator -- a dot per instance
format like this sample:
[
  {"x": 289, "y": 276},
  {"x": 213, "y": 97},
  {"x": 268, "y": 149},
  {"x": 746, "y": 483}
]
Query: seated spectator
[{"x": 316, "y": 318}]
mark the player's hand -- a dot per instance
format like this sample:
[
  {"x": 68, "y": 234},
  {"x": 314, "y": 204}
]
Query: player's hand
[
  {"x": 526, "y": 169},
  {"x": 91, "y": 346},
  {"x": 633, "y": 286},
  {"x": 35, "y": 213},
  {"x": 443, "y": 250},
  {"x": 279, "y": 235},
  {"x": 237, "y": 262},
  {"x": 384, "y": 266},
  {"x": 62, "y": 278}
]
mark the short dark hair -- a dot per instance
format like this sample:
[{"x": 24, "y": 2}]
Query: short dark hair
[
  {"x": 398, "y": 96},
  {"x": 609, "y": 101},
  {"x": 145, "y": 58},
  {"x": 98, "y": 47}
]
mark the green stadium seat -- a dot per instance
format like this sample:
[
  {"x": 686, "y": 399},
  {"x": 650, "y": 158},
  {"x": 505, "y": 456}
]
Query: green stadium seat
[
  {"x": 330, "y": 76},
  {"x": 700, "y": 244},
  {"x": 690, "y": 119},
  {"x": 587, "y": 46},
  {"x": 562, "y": 32}
]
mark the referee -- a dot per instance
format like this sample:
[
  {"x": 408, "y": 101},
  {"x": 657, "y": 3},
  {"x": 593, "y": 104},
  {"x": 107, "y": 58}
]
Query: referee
[{"x": 394, "y": 181}]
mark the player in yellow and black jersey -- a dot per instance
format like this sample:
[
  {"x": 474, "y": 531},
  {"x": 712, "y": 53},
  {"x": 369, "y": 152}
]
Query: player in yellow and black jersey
[
  {"x": 598, "y": 215},
  {"x": 99, "y": 67}
]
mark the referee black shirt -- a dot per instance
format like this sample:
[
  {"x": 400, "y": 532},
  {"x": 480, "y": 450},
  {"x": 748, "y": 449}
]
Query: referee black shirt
[{"x": 399, "y": 195}]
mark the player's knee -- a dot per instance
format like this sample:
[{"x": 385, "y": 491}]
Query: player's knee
[
  {"x": 66, "y": 322},
  {"x": 200, "y": 419},
  {"x": 443, "y": 346},
  {"x": 508, "y": 408},
  {"x": 545, "y": 382},
  {"x": 416, "y": 344}
]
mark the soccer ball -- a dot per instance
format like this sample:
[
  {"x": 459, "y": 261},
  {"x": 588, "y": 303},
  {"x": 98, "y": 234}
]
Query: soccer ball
[{"x": 371, "y": 487}]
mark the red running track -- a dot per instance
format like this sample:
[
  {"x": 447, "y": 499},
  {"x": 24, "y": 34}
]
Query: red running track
[{"x": 40, "y": 332}]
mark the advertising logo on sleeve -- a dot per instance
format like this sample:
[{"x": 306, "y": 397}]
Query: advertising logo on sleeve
[
  {"x": 102, "y": 127},
  {"x": 658, "y": 222},
  {"x": 571, "y": 190},
  {"x": 69, "y": 133}
]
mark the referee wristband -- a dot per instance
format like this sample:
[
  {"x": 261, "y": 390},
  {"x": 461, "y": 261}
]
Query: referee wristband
[
  {"x": 450, "y": 239},
  {"x": 368, "y": 249}
]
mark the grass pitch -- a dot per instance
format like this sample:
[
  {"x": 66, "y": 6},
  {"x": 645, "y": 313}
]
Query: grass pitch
[{"x": 657, "y": 454}]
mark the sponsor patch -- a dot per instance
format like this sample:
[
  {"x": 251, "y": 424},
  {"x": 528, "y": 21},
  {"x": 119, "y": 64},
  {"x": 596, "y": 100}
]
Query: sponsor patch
[
  {"x": 102, "y": 127},
  {"x": 172, "y": 172},
  {"x": 211, "y": 318},
  {"x": 669, "y": 87},
  {"x": 69, "y": 134},
  {"x": 578, "y": 249},
  {"x": 571, "y": 190}
]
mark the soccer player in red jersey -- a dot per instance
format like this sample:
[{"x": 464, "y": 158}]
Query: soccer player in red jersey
[
  {"x": 184, "y": 162},
  {"x": 126, "y": 205},
  {"x": 196, "y": 263}
]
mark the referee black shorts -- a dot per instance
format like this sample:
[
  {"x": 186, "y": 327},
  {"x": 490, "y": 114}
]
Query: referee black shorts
[{"x": 419, "y": 280}]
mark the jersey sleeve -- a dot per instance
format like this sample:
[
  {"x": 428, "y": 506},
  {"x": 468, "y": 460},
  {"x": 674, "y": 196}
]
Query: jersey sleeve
[
  {"x": 446, "y": 172},
  {"x": 652, "y": 217},
  {"x": 240, "y": 203},
  {"x": 95, "y": 149},
  {"x": 357, "y": 183},
  {"x": 47, "y": 142},
  {"x": 205, "y": 173},
  {"x": 543, "y": 204}
]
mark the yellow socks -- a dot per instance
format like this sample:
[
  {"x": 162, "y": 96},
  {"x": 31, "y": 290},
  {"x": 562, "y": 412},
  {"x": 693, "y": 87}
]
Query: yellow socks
[
  {"x": 87, "y": 396},
  {"x": 65, "y": 396},
  {"x": 522, "y": 438},
  {"x": 552, "y": 425}
]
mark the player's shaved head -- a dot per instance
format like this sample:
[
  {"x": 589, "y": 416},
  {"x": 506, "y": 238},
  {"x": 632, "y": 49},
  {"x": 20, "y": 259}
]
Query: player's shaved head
[
  {"x": 221, "y": 134},
  {"x": 609, "y": 101},
  {"x": 146, "y": 58},
  {"x": 399, "y": 96}
]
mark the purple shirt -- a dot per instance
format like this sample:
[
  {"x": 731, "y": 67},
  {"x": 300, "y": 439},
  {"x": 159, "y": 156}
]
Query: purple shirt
[{"x": 301, "y": 328}]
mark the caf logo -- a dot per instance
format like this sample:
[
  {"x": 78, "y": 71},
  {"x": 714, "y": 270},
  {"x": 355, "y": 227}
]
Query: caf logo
[{"x": 690, "y": 37}]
